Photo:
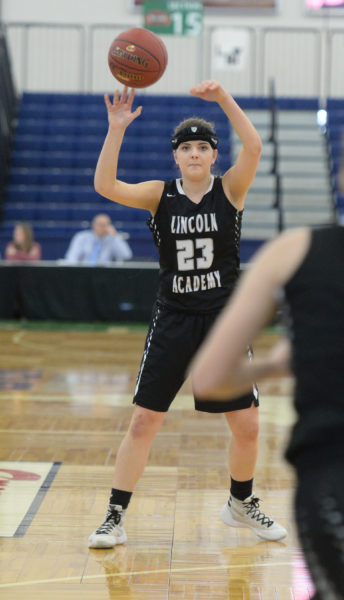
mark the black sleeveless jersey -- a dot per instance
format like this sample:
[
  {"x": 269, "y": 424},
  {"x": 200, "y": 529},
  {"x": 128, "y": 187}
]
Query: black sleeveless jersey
[
  {"x": 198, "y": 246},
  {"x": 315, "y": 296}
]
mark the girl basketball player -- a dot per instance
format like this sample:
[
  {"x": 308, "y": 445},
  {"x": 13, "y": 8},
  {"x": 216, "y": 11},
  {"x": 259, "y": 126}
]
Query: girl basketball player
[
  {"x": 308, "y": 267},
  {"x": 196, "y": 221}
]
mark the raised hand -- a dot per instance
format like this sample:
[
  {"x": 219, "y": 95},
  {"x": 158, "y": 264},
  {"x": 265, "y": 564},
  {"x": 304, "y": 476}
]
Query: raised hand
[
  {"x": 119, "y": 111},
  {"x": 209, "y": 90}
]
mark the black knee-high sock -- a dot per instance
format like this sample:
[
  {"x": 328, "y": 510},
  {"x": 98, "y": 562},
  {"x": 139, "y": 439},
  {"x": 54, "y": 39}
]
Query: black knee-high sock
[
  {"x": 241, "y": 489},
  {"x": 120, "y": 497}
]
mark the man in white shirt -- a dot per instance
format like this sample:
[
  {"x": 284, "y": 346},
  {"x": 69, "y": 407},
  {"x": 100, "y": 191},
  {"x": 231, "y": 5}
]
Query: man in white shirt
[{"x": 99, "y": 245}]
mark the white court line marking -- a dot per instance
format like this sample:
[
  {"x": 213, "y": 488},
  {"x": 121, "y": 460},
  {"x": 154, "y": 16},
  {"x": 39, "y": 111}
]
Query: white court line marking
[
  {"x": 110, "y": 399},
  {"x": 182, "y": 402},
  {"x": 149, "y": 572},
  {"x": 83, "y": 432},
  {"x": 17, "y": 338},
  {"x": 69, "y": 396}
]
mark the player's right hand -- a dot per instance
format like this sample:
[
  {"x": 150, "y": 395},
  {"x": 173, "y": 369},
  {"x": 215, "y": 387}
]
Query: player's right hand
[{"x": 120, "y": 110}]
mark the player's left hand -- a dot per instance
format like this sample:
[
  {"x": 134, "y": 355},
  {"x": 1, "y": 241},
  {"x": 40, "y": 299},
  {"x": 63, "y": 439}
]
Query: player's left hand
[{"x": 210, "y": 90}]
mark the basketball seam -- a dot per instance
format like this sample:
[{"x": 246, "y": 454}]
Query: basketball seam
[
  {"x": 163, "y": 48},
  {"x": 161, "y": 44},
  {"x": 142, "y": 48},
  {"x": 118, "y": 64}
]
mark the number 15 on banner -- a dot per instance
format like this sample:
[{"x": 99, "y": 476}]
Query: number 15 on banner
[{"x": 174, "y": 17}]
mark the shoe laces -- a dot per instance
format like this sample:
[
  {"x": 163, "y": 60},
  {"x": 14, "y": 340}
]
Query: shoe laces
[
  {"x": 112, "y": 519},
  {"x": 252, "y": 509}
]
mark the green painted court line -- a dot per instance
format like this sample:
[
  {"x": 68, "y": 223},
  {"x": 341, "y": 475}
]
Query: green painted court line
[{"x": 15, "y": 325}]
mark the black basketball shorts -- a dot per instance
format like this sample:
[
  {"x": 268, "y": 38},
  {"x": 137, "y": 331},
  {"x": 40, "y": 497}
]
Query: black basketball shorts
[{"x": 172, "y": 341}]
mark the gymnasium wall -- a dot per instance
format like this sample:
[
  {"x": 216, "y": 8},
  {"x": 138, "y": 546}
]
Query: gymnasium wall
[{"x": 62, "y": 46}]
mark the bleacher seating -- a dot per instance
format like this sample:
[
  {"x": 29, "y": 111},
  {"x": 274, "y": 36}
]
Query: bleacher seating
[
  {"x": 59, "y": 137},
  {"x": 57, "y": 143},
  {"x": 302, "y": 167}
]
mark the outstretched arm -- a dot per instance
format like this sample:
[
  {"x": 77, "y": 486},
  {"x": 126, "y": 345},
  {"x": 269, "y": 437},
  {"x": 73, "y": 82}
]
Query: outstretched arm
[
  {"x": 237, "y": 180},
  {"x": 141, "y": 195},
  {"x": 221, "y": 369}
]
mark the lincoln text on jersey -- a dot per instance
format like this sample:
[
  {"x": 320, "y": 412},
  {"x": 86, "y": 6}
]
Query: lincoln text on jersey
[{"x": 195, "y": 253}]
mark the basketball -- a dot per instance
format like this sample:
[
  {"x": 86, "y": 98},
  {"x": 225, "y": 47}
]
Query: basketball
[{"x": 137, "y": 57}]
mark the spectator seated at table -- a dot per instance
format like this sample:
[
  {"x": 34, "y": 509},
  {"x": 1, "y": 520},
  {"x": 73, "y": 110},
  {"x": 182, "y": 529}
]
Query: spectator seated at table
[
  {"x": 100, "y": 245},
  {"x": 23, "y": 246}
]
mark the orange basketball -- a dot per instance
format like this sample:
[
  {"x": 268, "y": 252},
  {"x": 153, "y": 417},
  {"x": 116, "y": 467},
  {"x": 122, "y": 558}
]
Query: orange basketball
[{"x": 137, "y": 57}]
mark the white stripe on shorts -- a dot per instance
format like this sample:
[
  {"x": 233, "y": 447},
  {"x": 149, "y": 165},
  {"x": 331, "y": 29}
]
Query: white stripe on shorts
[{"x": 145, "y": 353}]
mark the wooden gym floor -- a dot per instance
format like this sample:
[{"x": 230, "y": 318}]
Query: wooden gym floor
[{"x": 65, "y": 400}]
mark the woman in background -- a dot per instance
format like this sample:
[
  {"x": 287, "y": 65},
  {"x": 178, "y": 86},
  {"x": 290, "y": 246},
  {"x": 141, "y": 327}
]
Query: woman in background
[
  {"x": 23, "y": 246},
  {"x": 308, "y": 267}
]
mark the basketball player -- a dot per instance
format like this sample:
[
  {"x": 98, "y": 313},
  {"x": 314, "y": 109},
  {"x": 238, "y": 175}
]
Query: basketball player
[
  {"x": 308, "y": 267},
  {"x": 196, "y": 222}
]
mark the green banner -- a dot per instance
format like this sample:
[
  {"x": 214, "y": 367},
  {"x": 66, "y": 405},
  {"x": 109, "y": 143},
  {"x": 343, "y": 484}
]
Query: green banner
[{"x": 174, "y": 17}]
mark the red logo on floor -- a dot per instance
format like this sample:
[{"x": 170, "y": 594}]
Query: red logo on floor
[{"x": 8, "y": 475}]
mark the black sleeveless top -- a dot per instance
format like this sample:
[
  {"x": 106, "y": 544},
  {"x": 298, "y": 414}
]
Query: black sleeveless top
[
  {"x": 315, "y": 295},
  {"x": 198, "y": 246}
]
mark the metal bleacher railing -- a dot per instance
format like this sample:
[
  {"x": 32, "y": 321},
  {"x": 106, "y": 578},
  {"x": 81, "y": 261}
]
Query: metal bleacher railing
[
  {"x": 8, "y": 103},
  {"x": 332, "y": 168},
  {"x": 334, "y": 135},
  {"x": 273, "y": 139}
]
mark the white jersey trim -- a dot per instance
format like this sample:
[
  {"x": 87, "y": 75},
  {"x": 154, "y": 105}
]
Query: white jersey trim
[{"x": 180, "y": 187}]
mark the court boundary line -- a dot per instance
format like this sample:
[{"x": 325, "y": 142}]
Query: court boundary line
[
  {"x": 147, "y": 572},
  {"x": 37, "y": 501}
]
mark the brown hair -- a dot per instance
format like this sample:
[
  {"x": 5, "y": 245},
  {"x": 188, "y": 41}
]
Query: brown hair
[
  {"x": 28, "y": 237},
  {"x": 195, "y": 122}
]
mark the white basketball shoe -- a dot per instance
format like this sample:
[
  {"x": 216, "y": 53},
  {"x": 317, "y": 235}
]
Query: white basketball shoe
[
  {"x": 111, "y": 532},
  {"x": 246, "y": 513}
]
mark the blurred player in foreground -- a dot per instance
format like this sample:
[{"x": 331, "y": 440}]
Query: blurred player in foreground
[{"x": 307, "y": 266}]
